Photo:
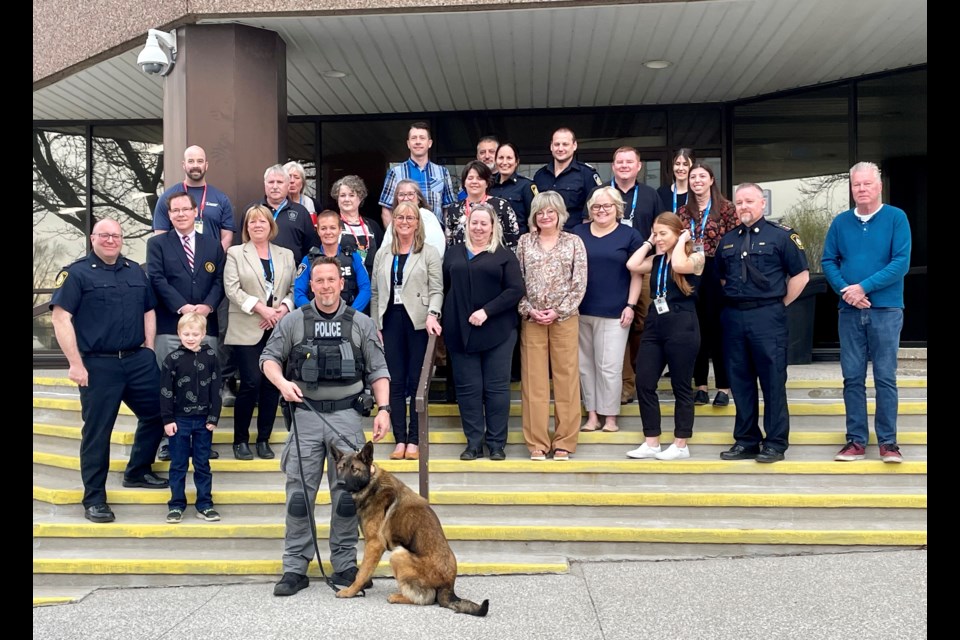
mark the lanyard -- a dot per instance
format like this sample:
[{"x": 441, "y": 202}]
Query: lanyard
[
  {"x": 674, "y": 189},
  {"x": 203, "y": 198},
  {"x": 363, "y": 229},
  {"x": 703, "y": 223},
  {"x": 662, "y": 277},
  {"x": 397, "y": 281},
  {"x": 636, "y": 190},
  {"x": 466, "y": 207},
  {"x": 286, "y": 201}
]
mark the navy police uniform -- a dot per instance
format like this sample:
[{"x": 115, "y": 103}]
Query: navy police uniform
[
  {"x": 518, "y": 191},
  {"x": 574, "y": 184},
  {"x": 755, "y": 262},
  {"x": 108, "y": 303},
  {"x": 331, "y": 357}
]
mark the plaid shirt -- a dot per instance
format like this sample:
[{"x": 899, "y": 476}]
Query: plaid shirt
[{"x": 434, "y": 181}]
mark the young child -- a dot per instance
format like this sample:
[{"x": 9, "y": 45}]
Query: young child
[{"x": 190, "y": 409}]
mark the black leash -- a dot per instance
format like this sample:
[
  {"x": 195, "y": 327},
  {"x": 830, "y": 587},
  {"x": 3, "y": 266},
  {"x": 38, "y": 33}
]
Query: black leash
[{"x": 303, "y": 485}]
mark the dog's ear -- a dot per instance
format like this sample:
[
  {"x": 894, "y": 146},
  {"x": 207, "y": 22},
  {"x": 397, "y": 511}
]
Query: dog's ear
[
  {"x": 337, "y": 454},
  {"x": 366, "y": 454}
]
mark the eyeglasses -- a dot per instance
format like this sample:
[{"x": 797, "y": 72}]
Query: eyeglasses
[
  {"x": 188, "y": 210},
  {"x": 606, "y": 207},
  {"x": 109, "y": 236},
  {"x": 407, "y": 218},
  {"x": 404, "y": 196},
  {"x": 546, "y": 213}
]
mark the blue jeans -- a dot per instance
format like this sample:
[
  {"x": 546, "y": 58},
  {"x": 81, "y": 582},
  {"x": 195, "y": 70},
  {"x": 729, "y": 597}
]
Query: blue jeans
[
  {"x": 870, "y": 334},
  {"x": 192, "y": 439}
]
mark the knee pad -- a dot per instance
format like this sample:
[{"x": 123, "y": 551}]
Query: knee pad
[
  {"x": 297, "y": 505},
  {"x": 346, "y": 507}
]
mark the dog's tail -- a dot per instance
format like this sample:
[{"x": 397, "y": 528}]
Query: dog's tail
[{"x": 447, "y": 598}]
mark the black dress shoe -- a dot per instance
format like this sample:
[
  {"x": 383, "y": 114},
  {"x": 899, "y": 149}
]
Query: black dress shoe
[
  {"x": 214, "y": 454},
  {"x": 470, "y": 454},
  {"x": 242, "y": 451},
  {"x": 700, "y": 397},
  {"x": 290, "y": 583},
  {"x": 164, "y": 453},
  {"x": 148, "y": 481},
  {"x": 346, "y": 578},
  {"x": 264, "y": 451},
  {"x": 769, "y": 455},
  {"x": 498, "y": 454},
  {"x": 721, "y": 399},
  {"x": 99, "y": 513},
  {"x": 739, "y": 452}
]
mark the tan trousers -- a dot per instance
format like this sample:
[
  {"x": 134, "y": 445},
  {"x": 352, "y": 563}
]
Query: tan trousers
[
  {"x": 542, "y": 349},
  {"x": 633, "y": 343}
]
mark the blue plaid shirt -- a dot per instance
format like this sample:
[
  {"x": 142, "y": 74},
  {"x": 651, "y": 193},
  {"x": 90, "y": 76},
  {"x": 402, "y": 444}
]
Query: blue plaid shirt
[{"x": 434, "y": 181}]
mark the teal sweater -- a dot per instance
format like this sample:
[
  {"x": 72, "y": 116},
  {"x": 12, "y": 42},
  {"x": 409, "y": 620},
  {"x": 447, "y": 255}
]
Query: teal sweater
[{"x": 875, "y": 255}]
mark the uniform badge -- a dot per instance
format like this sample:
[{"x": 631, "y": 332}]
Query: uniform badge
[
  {"x": 796, "y": 240},
  {"x": 61, "y": 277},
  {"x": 292, "y": 216},
  {"x": 533, "y": 188},
  {"x": 596, "y": 178},
  {"x": 209, "y": 267},
  {"x": 300, "y": 270}
]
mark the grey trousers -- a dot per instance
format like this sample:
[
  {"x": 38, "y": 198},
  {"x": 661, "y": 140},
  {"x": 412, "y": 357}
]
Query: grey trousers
[{"x": 316, "y": 442}]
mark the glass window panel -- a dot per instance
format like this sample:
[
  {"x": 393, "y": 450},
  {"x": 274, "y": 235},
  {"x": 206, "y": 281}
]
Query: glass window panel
[
  {"x": 59, "y": 201},
  {"x": 127, "y": 181},
  {"x": 696, "y": 128},
  {"x": 892, "y": 116},
  {"x": 43, "y": 336}
]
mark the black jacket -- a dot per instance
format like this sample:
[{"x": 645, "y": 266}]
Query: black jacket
[{"x": 190, "y": 385}]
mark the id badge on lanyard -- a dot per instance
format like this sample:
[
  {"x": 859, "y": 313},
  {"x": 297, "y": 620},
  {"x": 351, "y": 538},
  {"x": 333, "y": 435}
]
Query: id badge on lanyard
[
  {"x": 397, "y": 289},
  {"x": 661, "y": 305},
  {"x": 698, "y": 246},
  {"x": 198, "y": 225}
]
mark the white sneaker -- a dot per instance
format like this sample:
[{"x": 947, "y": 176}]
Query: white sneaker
[
  {"x": 643, "y": 451},
  {"x": 674, "y": 452}
]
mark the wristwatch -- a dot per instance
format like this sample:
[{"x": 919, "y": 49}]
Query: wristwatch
[
  {"x": 384, "y": 407},
  {"x": 633, "y": 306},
  {"x": 435, "y": 314}
]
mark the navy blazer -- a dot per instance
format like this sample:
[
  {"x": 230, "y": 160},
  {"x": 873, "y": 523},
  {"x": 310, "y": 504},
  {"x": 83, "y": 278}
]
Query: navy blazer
[{"x": 175, "y": 285}]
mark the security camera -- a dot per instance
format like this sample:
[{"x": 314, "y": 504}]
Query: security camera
[{"x": 153, "y": 60}]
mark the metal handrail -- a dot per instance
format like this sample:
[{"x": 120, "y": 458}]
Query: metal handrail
[{"x": 422, "y": 404}]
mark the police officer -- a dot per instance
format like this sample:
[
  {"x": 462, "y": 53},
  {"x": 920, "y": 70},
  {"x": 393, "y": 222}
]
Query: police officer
[
  {"x": 356, "y": 282},
  {"x": 572, "y": 179},
  {"x": 516, "y": 189},
  {"x": 105, "y": 324},
  {"x": 763, "y": 268},
  {"x": 329, "y": 351}
]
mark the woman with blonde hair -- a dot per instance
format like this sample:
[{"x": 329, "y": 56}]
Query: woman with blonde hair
[
  {"x": 671, "y": 335},
  {"x": 298, "y": 185}
]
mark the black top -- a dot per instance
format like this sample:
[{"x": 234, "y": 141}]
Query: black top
[
  {"x": 190, "y": 384},
  {"x": 490, "y": 281},
  {"x": 107, "y": 302},
  {"x": 773, "y": 251},
  {"x": 518, "y": 191},
  {"x": 666, "y": 198},
  {"x": 574, "y": 184},
  {"x": 676, "y": 299}
]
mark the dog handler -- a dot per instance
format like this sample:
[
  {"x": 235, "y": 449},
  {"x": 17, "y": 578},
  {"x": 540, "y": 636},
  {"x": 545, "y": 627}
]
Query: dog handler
[{"x": 324, "y": 351}]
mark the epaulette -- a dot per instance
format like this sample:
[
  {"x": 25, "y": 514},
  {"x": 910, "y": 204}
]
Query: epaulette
[
  {"x": 590, "y": 166},
  {"x": 779, "y": 225}
]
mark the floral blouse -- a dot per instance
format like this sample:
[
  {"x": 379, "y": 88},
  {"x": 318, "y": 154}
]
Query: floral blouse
[
  {"x": 455, "y": 221},
  {"x": 717, "y": 226},
  {"x": 555, "y": 279}
]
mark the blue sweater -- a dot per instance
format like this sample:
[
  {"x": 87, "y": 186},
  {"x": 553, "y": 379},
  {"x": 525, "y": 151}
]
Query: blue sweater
[{"x": 875, "y": 255}]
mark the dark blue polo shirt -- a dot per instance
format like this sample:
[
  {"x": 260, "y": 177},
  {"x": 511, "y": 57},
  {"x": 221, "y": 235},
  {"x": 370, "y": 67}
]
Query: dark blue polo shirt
[{"x": 215, "y": 209}]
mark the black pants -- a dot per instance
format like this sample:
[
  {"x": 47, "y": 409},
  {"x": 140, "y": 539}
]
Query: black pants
[
  {"x": 254, "y": 389},
  {"x": 672, "y": 339},
  {"x": 483, "y": 393},
  {"x": 404, "y": 348},
  {"x": 709, "y": 306},
  {"x": 134, "y": 380}
]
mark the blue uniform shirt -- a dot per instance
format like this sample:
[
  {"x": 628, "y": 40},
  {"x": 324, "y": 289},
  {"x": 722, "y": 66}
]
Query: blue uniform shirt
[
  {"x": 774, "y": 252},
  {"x": 518, "y": 191},
  {"x": 216, "y": 210},
  {"x": 107, "y": 302},
  {"x": 574, "y": 184}
]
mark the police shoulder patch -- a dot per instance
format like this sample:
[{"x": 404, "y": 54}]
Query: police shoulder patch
[
  {"x": 61, "y": 277},
  {"x": 796, "y": 240},
  {"x": 533, "y": 187},
  {"x": 596, "y": 178},
  {"x": 301, "y": 269}
]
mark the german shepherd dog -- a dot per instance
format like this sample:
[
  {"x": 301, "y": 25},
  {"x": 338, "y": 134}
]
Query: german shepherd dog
[{"x": 394, "y": 518}]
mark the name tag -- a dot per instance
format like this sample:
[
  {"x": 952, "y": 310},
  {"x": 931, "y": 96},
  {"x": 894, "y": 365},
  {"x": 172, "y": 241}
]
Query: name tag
[
  {"x": 198, "y": 225},
  {"x": 698, "y": 246},
  {"x": 396, "y": 294},
  {"x": 661, "y": 305}
]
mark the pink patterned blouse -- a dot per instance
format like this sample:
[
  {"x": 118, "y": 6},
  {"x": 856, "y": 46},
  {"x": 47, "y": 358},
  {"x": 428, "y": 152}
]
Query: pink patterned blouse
[{"x": 555, "y": 279}]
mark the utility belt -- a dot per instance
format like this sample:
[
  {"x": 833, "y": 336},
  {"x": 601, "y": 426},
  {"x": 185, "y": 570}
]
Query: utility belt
[
  {"x": 753, "y": 304},
  {"x": 356, "y": 402},
  {"x": 123, "y": 353}
]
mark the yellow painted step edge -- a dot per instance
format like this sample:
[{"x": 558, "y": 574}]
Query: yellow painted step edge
[
  {"x": 534, "y": 498},
  {"x": 864, "y": 467},
  {"x": 446, "y": 436},
  {"x": 170, "y": 566},
  {"x": 906, "y": 407},
  {"x": 51, "y": 600},
  {"x": 222, "y": 530}
]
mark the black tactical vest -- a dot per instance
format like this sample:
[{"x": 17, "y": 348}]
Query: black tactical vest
[{"x": 345, "y": 260}]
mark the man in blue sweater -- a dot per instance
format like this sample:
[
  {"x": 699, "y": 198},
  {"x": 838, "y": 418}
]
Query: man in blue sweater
[{"x": 865, "y": 258}]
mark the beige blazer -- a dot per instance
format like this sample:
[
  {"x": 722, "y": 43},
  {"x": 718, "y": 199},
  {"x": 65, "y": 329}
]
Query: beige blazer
[
  {"x": 422, "y": 289},
  {"x": 245, "y": 285}
]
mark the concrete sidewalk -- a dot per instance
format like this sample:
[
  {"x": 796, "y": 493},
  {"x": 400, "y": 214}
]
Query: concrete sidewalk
[{"x": 853, "y": 595}]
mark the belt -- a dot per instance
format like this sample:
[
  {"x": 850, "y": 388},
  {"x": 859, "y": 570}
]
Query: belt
[
  {"x": 123, "y": 353},
  {"x": 753, "y": 304},
  {"x": 327, "y": 406}
]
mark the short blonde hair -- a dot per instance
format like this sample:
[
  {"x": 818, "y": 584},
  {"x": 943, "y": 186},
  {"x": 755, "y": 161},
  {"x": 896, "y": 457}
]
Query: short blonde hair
[
  {"x": 612, "y": 193},
  {"x": 192, "y": 319},
  {"x": 548, "y": 200},
  {"x": 418, "y": 236},
  {"x": 496, "y": 239},
  {"x": 262, "y": 211}
]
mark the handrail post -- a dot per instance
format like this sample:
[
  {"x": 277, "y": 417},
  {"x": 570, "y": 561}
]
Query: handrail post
[{"x": 422, "y": 404}]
